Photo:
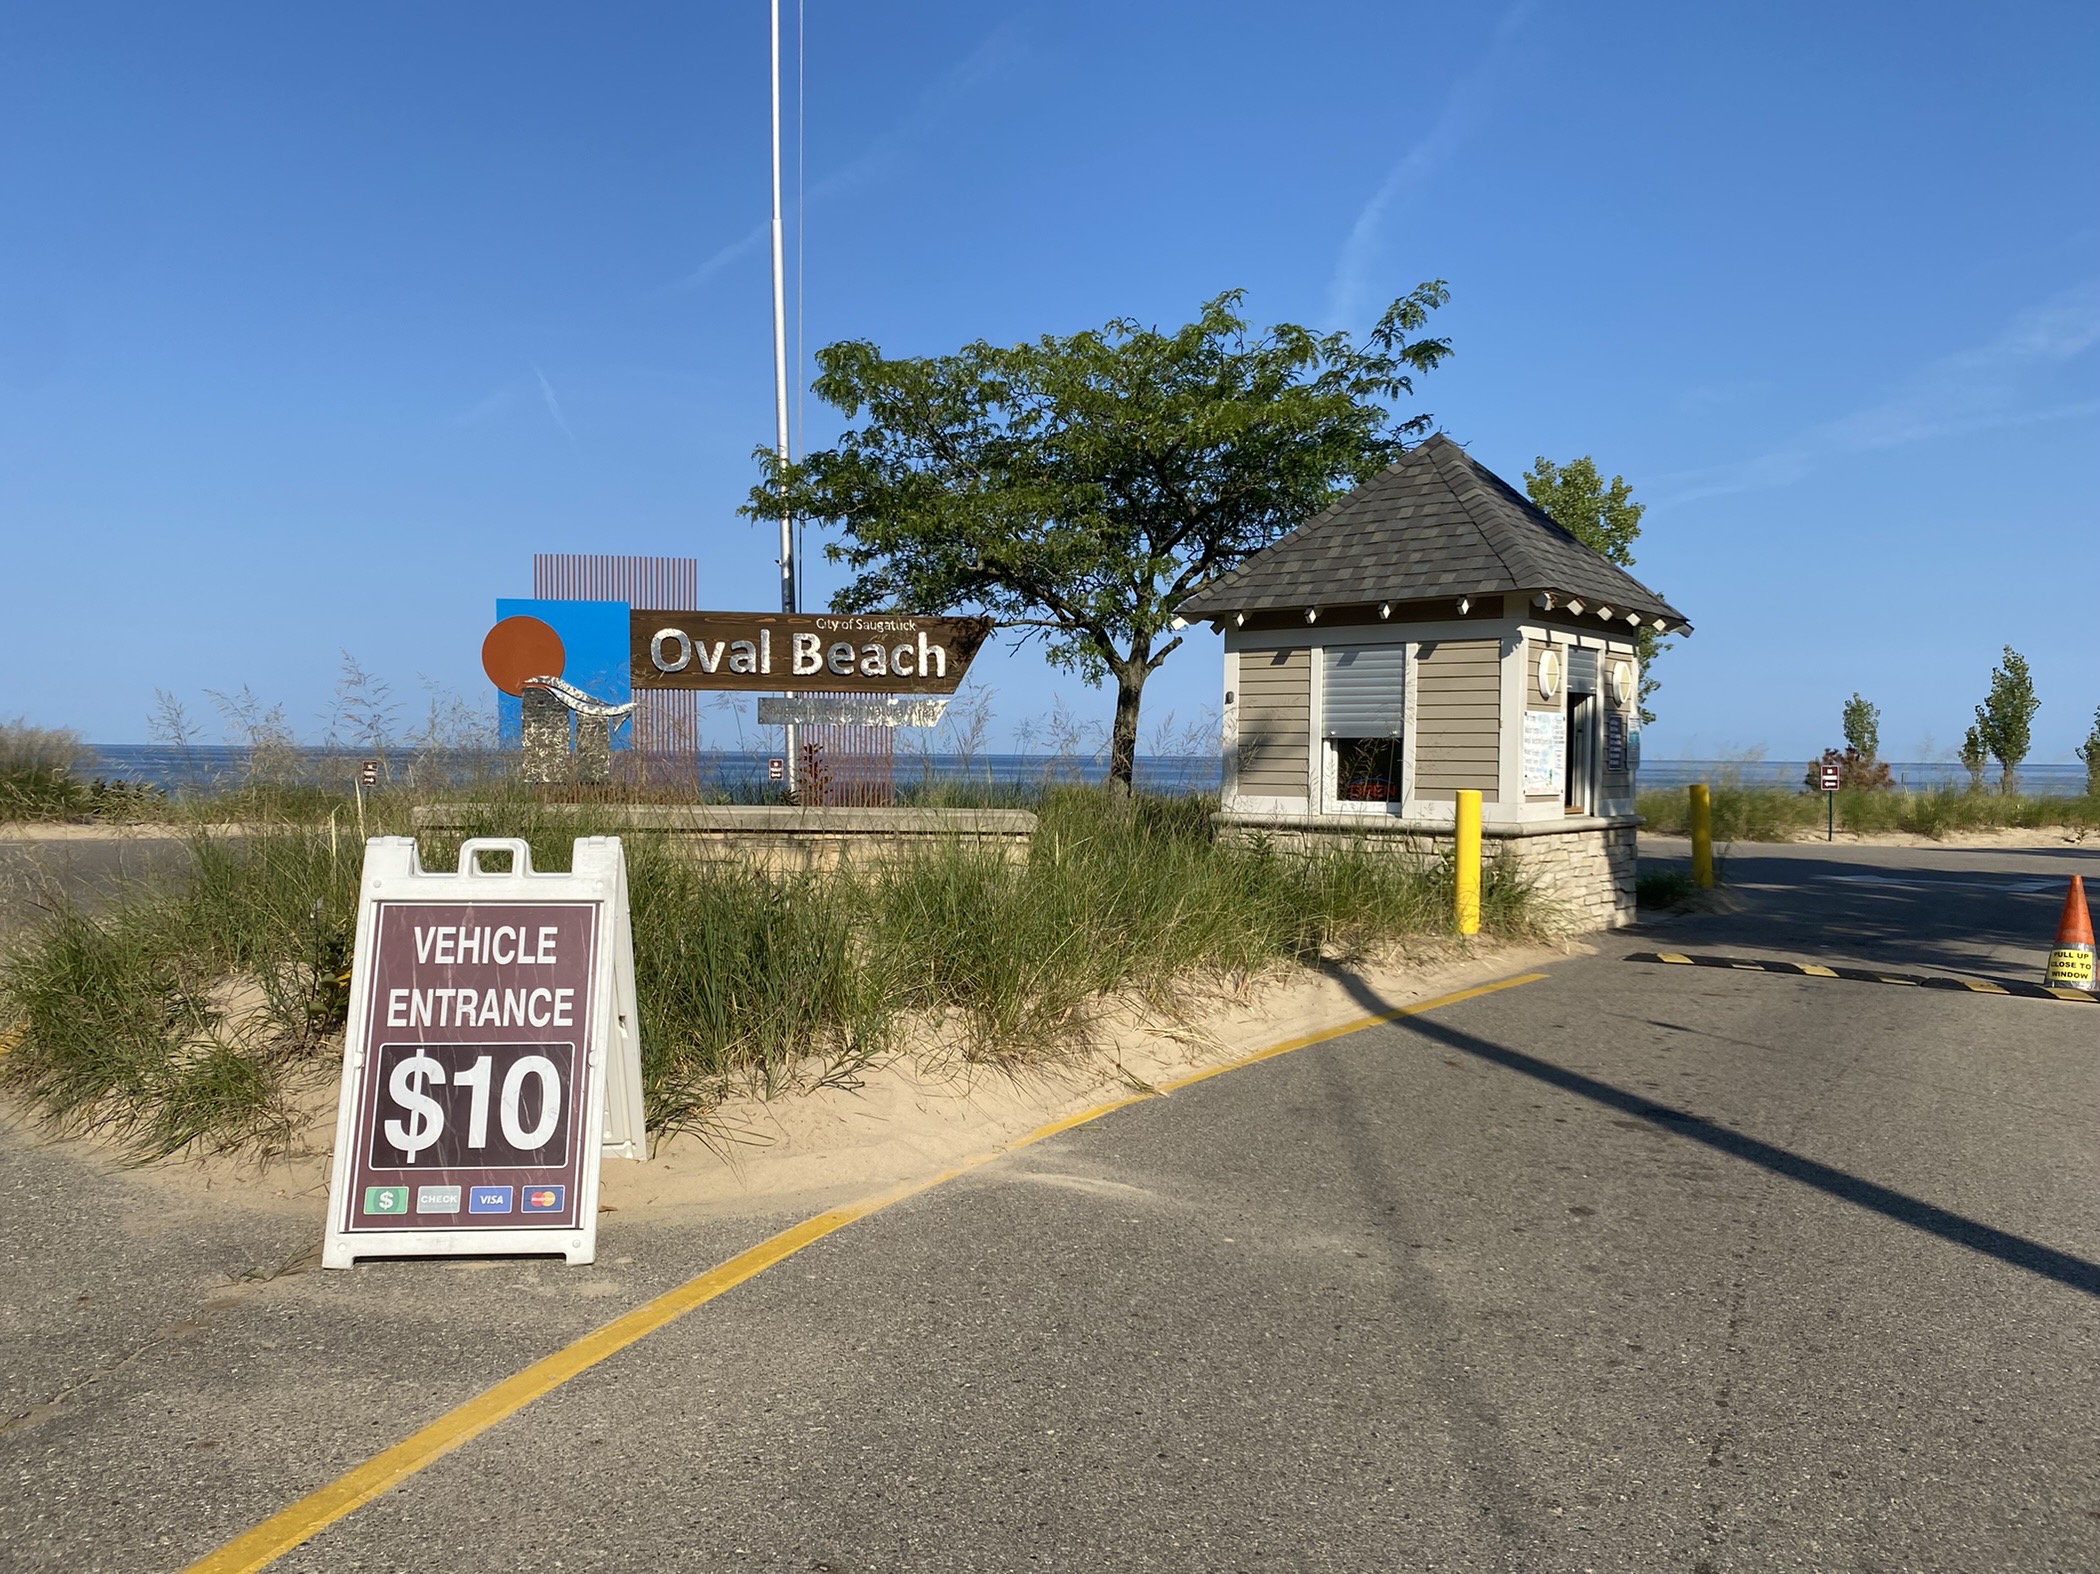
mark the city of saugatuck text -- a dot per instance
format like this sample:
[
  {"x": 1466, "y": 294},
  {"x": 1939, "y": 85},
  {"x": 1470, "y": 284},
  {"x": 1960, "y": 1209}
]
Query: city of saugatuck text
[{"x": 506, "y": 945}]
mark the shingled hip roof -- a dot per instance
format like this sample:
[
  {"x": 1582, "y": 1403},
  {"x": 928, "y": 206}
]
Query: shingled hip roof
[{"x": 1433, "y": 525}]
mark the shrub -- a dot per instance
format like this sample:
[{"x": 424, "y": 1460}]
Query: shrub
[
  {"x": 40, "y": 772},
  {"x": 1855, "y": 770}
]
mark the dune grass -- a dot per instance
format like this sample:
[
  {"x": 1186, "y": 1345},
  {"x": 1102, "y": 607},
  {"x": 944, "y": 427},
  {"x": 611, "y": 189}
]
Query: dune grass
[
  {"x": 192, "y": 1011},
  {"x": 1778, "y": 814}
]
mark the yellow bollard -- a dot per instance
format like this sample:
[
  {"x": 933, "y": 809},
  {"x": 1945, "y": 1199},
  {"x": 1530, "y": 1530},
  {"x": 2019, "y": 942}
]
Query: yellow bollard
[
  {"x": 1702, "y": 837},
  {"x": 1468, "y": 903}
]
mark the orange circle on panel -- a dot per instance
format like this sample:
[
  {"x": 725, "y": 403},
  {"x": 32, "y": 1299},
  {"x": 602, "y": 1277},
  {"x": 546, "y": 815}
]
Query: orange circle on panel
[{"x": 519, "y": 648}]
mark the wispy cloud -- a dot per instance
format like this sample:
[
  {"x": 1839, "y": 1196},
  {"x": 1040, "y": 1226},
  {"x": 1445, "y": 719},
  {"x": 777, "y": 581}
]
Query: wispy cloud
[
  {"x": 1355, "y": 289},
  {"x": 553, "y": 404},
  {"x": 489, "y": 408},
  {"x": 1980, "y": 389},
  {"x": 716, "y": 263},
  {"x": 983, "y": 64}
]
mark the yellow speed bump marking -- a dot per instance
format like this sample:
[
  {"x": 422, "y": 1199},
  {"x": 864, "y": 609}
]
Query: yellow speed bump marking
[
  {"x": 1982, "y": 986},
  {"x": 291, "y": 1527}
]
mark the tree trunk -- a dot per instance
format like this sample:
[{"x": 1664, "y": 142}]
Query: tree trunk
[{"x": 1122, "y": 743}]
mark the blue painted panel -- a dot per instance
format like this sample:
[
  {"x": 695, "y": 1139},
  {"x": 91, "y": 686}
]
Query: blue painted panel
[{"x": 594, "y": 645}]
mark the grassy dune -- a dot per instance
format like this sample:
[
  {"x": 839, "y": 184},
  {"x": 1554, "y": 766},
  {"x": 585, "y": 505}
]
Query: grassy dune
[
  {"x": 1776, "y": 814},
  {"x": 199, "y": 1010}
]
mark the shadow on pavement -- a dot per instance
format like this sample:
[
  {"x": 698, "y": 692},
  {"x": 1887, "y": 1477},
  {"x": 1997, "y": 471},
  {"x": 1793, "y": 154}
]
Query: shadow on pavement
[
  {"x": 1886, "y": 910},
  {"x": 2016, "y": 1250}
]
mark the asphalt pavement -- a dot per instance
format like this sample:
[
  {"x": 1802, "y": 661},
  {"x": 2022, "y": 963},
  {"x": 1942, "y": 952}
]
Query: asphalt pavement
[{"x": 1637, "y": 1266}]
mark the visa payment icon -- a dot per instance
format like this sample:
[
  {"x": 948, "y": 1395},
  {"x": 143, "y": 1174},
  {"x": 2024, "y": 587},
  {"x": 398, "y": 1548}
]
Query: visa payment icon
[
  {"x": 543, "y": 1199},
  {"x": 386, "y": 1199},
  {"x": 488, "y": 1199}
]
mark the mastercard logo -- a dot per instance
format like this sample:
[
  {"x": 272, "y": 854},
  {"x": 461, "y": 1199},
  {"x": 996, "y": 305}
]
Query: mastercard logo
[{"x": 542, "y": 1199}]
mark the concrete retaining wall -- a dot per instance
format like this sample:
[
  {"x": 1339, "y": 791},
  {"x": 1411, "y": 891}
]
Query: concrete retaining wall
[
  {"x": 784, "y": 839},
  {"x": 1585, "y": 866}
]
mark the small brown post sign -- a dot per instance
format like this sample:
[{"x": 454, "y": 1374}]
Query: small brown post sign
[
  {"x": 491, "y": 1056},
  {"x": 830, "y": 652}
]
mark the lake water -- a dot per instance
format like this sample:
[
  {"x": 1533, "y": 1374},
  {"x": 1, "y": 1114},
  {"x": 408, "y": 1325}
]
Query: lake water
[{"x": 201, "y": 767}]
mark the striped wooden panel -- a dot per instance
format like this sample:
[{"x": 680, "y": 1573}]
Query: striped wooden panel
[{"x": 664, "y": 742}]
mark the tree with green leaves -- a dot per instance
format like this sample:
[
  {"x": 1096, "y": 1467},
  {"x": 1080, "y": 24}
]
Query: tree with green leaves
[
  {"x": 1607, "y": 520},
  {"x": 1974, "y": 756},
  {"x": 1859, "y": 765},
  {"x": 1862, "y": 723},
  {"x": 1079, "y": 489},
  {"x": 2005, "y": 719},
  {"x": 2089, "y": 751}
]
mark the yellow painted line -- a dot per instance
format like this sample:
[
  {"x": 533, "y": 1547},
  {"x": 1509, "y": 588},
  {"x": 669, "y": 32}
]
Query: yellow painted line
[
  {"x": 1984, "y": 986},
  {"x": 293, "y": 1526},
  {"x": 1817, "y": 970},
  {"x": 1092, "y": 1112},
  {"x": 1672, "y": 956},
  {"x": 1353, "y": 1025}
]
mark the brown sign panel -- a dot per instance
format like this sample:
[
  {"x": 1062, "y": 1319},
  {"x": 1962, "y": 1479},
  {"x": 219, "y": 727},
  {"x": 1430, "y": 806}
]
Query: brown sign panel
[
  {"x": 473, "y": 1107},
  {"x": 823, "y": 652}
]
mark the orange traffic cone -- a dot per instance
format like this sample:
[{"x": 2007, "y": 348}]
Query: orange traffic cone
[{"x": 2071, "y": 961}]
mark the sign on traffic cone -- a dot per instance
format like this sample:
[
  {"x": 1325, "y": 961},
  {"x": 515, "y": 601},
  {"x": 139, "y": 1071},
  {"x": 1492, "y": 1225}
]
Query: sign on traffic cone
[{"x": 2071, "y": 961}]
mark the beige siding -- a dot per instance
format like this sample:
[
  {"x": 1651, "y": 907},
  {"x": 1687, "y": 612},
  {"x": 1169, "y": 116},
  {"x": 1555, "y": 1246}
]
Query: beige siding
[
  {"x": 1533, "y": 649},
  {"x": 1458, "y": 717},
  {"x": 1275, "y": 729}
]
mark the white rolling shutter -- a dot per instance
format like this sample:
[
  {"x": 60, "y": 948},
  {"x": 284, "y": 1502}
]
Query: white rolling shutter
[{"x": 1366, "y": 691}]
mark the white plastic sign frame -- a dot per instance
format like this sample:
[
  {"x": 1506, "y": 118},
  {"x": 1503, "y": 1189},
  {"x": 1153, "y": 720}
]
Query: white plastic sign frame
[{"x": 578, "y": 1047}]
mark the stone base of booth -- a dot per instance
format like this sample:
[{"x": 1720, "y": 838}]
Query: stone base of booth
[
  {"x": 782, "y": 839},
  {"x": 1584, "y": 866}
]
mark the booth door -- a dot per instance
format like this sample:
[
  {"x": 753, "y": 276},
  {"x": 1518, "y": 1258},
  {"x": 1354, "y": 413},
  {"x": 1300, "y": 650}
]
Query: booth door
[{"x": 1585, "y": 713}]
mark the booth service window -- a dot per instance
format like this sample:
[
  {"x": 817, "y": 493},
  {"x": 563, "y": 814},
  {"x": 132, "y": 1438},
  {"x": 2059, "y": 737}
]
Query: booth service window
[{"x": 1363, "y": 716}]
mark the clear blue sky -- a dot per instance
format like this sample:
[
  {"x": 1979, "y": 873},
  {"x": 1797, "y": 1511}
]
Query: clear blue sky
[{"x": 317, "y": 320}]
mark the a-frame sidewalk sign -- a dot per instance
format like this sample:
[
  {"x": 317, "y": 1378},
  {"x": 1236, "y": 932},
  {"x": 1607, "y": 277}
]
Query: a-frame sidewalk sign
[{"x": 492, "y": 1055}]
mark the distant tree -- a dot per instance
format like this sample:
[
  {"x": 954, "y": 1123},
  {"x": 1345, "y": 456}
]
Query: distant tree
[
  {"x": 1606, "y": 519},
  {"x": 2004, "y": 721},
  {"x": 1858, "y": 764},
  {"x": 1862, "y": 727},
  {"x": 2089, "y": 751},
  {"x": 1083, "y": 488},
  {"x": 1973, "y": 757}
]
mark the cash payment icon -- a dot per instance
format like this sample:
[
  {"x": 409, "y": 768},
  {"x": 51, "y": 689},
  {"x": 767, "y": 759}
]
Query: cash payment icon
[{"x": 386, "y": 1199}]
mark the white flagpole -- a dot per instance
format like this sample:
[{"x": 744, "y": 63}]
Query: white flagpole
[{"x": 780, "y": 384}]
